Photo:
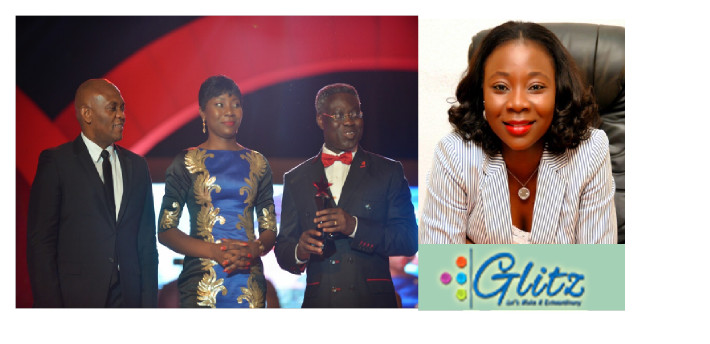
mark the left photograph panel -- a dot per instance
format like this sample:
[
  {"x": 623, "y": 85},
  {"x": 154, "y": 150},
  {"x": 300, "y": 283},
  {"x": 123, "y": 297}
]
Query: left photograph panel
[{"x": 216, "y": 161}]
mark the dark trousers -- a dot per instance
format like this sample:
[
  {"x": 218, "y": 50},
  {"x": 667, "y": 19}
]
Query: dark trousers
[{"x": 114, "y": 298}]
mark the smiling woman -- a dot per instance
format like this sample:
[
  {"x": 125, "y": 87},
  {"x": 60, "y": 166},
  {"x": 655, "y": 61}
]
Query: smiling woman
[
  {"x": 524, "y": 164},
  {"x": 222, "y": 184},
  {"x": 519, "y": 84},
  {"x": 220, "y": 103}
]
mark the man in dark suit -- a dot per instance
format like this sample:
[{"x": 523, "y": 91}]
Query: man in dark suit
[
  {"x": 344, "y": 249},
  {"x": 91, "y": 227}
]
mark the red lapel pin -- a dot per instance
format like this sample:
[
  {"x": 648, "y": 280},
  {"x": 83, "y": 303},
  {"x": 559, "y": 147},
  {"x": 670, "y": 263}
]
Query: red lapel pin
[{"x": 362, "y": 165}]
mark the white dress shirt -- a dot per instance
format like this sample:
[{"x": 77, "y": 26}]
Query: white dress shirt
[
  {"x": 336, "y": 174},
  {"x": 95, "y": 153}
]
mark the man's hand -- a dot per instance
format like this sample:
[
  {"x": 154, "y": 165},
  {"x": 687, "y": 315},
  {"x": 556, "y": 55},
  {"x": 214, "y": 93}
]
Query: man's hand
[
  {"x": 309, "y": 243},
  {"x": 334, "y": 220}
]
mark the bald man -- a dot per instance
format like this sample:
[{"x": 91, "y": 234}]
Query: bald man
[{"x": 91, "y": 226}]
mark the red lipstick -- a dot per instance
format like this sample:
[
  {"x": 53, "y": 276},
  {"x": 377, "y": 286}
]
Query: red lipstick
[{"x": 518, "y": 128}]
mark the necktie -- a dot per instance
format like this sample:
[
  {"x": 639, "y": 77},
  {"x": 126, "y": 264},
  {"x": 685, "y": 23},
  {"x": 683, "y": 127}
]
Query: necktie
[
  {"x": 328, "y": 159},
  {"x": 108, "y": 183}
]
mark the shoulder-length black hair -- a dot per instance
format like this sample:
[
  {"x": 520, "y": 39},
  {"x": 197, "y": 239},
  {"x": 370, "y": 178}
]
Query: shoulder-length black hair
[{"x": 575, "y": 108}]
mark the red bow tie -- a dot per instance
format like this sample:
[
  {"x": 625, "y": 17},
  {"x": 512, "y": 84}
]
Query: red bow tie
[{"x": 328, "y": 159}]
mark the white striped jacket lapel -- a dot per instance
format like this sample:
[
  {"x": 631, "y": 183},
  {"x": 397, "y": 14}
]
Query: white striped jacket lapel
[
  {"x": 551, "y": 185},
  {"x": 496, "y": 201}
]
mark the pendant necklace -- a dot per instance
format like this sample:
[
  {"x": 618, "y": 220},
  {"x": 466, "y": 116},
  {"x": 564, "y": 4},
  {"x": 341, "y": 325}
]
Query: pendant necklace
[{"x": 523, "y": 192}]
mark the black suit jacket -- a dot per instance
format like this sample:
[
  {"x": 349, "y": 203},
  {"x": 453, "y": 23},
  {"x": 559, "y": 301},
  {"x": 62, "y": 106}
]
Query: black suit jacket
[
  {"x": 357, "y": 275},
  {"x": 74, "y": 244}
]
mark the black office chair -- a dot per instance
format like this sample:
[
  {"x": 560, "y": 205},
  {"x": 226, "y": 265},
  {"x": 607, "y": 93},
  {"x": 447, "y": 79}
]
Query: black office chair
[{"x": 598, "y": 51}]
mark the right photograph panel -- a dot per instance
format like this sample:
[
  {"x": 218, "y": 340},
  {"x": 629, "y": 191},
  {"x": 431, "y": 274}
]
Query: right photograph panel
[
  {"x": 521, "y": 132},
  {"x": 521, "y": 141}
]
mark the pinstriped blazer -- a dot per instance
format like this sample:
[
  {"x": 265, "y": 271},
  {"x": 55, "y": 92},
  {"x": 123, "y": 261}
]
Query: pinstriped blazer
[{"x": 468, "y": 196}]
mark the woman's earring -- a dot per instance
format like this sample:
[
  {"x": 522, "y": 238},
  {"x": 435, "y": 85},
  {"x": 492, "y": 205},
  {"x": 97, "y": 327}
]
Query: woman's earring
[
  {"x": 204, "y": 129},
  {"x": 484, "y": 115}
]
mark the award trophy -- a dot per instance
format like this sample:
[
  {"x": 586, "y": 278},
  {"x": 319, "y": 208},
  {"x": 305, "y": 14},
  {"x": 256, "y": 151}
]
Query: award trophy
[{"x": 324, "y": 201}]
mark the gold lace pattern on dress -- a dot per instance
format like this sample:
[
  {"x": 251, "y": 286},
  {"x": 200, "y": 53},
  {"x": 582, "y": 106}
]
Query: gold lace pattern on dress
[
  {"x": 171, "y": 218},
  {"x": 267, "y": 221},
  {"x": 253, "y": 293},
  {"x": 209, "y": 286}
]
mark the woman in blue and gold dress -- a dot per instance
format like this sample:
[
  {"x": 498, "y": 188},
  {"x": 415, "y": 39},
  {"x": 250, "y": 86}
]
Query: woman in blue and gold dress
[{"x": 222, "y": 183}]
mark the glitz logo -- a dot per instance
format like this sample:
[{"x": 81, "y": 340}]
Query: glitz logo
[
  {"x": 496, "y": 276},
  {"x": 556, "y": 281}
]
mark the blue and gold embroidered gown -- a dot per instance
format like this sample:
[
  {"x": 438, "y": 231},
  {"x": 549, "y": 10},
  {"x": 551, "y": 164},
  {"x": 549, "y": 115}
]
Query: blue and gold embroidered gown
[{"x": 221, "y": 189}]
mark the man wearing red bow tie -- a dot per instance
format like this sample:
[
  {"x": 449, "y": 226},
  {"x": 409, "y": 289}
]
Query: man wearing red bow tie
[{"x": 365, "y": 213}]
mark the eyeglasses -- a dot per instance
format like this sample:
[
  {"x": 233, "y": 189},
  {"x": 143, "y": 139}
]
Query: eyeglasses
[{"x": 341, "y": 117}]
